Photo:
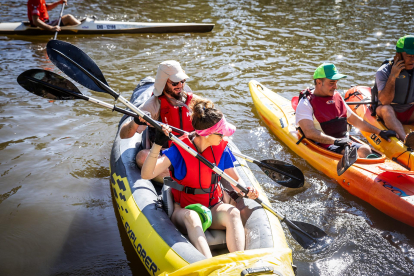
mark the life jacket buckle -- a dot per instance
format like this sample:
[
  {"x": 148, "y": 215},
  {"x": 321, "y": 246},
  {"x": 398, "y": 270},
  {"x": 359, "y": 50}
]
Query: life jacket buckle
[{"x": 189, "y": 190}]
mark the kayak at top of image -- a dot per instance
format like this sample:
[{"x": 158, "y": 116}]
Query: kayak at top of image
[
  {"x": 92, "y": 26},
  {"x": 394, "y": 150},
  {"x": 379, "y": 181}
]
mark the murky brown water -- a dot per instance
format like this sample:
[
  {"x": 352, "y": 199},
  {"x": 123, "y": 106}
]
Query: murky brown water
[{"x": 56, "y": 211}]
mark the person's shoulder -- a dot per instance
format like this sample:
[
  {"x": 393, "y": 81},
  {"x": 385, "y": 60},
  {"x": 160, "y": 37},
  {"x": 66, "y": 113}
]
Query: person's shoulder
[
  {"x": 303, "y": 103},
  {"x": 153, "y": 102},
  {"x": 385, "y": 67}
]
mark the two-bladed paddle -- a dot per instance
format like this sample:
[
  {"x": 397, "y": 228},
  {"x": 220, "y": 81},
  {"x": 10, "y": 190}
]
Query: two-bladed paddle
[
  {"x": 75, "y": 63},
  {"x": 349, "y": 158},
  {"x": 55, "y": 87},
  {"x": 60, "y": 18}
]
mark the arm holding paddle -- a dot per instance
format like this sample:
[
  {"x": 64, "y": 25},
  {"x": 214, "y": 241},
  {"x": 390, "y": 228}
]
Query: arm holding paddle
[
  {"x": 51, "y": 6},
  {"x": 42, "y": 25},
  {"x": 151, "y": 108},
  {"x": 359, "y": 123}
]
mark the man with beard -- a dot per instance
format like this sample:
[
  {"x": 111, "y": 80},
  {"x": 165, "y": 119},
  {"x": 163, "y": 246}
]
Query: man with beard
[{"x": 168, "y": 104}]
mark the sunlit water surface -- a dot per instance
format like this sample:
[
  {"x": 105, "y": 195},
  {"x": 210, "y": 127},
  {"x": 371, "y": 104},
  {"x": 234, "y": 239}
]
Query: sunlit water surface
[{"x": 56, "y": 211}]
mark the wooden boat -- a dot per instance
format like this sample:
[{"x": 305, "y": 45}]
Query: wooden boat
[
  {"x": 143, "y": 208},
  {"x": 93, "y": 26}
]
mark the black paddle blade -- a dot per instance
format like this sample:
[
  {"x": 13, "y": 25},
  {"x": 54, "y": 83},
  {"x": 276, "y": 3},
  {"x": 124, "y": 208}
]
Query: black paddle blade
[
  {"x": 47, "y": 84},
  {"x": 63, "y": 55},
  {"x": 349, "y": 158},
  {"x": 271, "y": 167},
  {"x": 308, "y": 235}
]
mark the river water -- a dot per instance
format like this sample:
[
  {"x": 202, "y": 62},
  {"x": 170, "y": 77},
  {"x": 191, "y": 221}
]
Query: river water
[{"x": 57, "y": 216}]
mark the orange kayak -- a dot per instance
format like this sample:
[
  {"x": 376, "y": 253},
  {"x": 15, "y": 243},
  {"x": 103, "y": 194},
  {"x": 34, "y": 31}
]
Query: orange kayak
[
  {"x": 382, "y": 183},
  {"x": 394, "y": 150}
]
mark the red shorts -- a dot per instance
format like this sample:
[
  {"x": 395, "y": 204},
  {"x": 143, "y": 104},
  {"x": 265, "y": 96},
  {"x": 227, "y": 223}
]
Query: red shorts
[{"x": 404, "y": 117}]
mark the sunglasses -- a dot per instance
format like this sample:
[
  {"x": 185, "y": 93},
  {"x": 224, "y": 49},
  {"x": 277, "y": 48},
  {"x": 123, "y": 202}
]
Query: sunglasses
[
  {"x": 219, "y": 134},
  {"x": 176, "y": 83}
]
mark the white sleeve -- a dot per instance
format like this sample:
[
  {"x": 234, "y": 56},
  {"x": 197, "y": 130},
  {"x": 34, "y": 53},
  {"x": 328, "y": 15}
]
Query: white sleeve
[
  {"x": 304, "y": 110},
  {"x": 348, "y": 109}
]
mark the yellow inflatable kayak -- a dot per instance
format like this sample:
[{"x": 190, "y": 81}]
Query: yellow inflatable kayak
[
  {"x": 394, "y": 150},
  {"x": 379, "y": 181},
  {"x": 144, "y": 210}
]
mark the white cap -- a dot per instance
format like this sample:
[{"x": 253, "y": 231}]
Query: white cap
[{"x": 169, "y": 69}]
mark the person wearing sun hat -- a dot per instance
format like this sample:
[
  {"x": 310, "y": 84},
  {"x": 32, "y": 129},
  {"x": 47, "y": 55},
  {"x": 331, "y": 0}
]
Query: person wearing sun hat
[
  {"x": 395, "y": 84},
  {"x": 168, "y": 104},
  {"x": 192, "y": 182},
  {"x": 329, "y": 108}
]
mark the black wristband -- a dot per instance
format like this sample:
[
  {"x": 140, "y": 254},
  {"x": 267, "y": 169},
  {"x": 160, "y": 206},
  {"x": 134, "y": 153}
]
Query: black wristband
[{"x": 138, "y": 122}]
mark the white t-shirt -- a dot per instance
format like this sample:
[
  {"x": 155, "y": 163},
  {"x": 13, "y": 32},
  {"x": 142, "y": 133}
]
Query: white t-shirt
[{"x": 304, "y": 110}]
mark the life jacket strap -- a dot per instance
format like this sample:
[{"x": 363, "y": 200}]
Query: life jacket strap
[
  {"x": 168, "y": 181},
  {"x": 301, "y": 138}
]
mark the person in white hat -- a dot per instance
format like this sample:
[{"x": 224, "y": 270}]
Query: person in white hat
[{"x": 168, "y": 104}]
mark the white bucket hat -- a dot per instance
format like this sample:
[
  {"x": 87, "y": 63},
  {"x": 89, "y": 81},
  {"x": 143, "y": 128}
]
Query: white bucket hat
[{"x": 169, "y": 69}]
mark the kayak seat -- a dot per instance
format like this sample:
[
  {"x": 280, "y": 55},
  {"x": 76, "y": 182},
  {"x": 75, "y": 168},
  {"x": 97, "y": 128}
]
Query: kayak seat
[{"x": 216, "y": 239}]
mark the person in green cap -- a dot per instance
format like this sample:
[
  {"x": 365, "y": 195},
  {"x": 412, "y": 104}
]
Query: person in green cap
[
  {"x": 395, "y": 83},
  {"x": 329, "y": 108}
]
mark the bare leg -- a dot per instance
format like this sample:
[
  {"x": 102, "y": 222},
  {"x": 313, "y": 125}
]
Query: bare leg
[
  {"x": 386, "y": 112},
  {"x": 188, "y": 221},
  {"x": 364, "y": 151},
  {"x": 68, "y": 20},
  {"x": 226, "y": 216},
  {"x": 140, "y": 159}
]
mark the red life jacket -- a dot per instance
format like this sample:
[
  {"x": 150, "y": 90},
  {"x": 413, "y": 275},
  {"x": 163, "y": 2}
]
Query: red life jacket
[
  {"x": 199, "y": 176},
  {"x": 176, "y": 116},
  {"x": 330, "y": 112},
  {"x": 37, "y": 7}
]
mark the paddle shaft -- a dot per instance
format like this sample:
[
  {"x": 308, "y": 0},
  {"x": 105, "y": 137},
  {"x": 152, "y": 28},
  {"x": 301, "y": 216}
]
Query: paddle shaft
[
  {"x": 356, "y": 103},
  {"x": 60, "y": 18}
]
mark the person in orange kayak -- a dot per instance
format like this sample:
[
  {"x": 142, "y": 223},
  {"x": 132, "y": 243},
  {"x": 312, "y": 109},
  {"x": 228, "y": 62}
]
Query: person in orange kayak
[
  {"x": 195, "y": 183},
  {"x": 333, "y": 115},
  {"x": 395, "y": 84},
  {"x": 38, "y": 15},
  {"x": 169, "y": 104}
]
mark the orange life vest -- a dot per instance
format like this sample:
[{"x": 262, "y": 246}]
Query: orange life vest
[
  {"x": 176, "y": 116},
  {"x": 199, "y": 177}
]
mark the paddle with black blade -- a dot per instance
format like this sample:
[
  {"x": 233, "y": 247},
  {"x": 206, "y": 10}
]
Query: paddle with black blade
[
  {"x": 79, "y": 66},
  {"x": 52, "y": 86},
  {"x": 349, "y": 158}
]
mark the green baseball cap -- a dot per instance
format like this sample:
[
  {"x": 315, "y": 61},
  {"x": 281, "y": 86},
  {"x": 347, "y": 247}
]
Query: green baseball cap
[
  {"x": 327, "y": 70},
  {"x": 204, "y": 213},
  {"x": 405, "y": 44}
]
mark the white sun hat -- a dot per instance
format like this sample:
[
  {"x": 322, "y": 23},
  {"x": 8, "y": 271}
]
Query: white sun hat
[{"x": 169, "y": 69}]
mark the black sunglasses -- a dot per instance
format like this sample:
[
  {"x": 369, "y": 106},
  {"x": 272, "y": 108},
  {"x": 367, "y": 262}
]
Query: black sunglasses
[
  {"x": 219, "y": 134},
  {"x": 176, "y": 83}
]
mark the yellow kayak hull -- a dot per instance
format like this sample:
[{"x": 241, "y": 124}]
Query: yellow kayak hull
[{"x": 372, "y": 180}]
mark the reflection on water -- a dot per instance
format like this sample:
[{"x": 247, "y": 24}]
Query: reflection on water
[{"x": 57, "y": 215}]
